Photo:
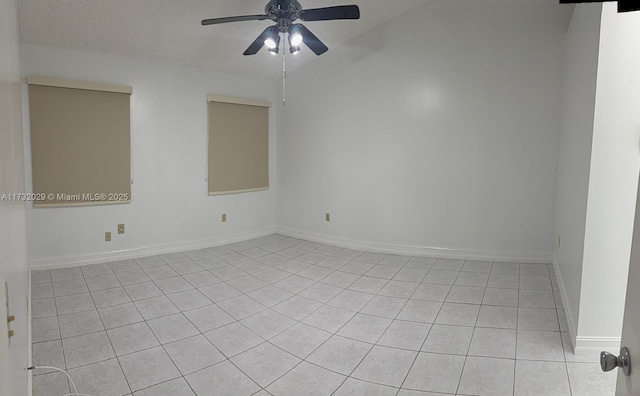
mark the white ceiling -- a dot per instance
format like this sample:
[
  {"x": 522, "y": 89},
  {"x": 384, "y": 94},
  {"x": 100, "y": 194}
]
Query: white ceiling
[{"x": 170, "y": 30}]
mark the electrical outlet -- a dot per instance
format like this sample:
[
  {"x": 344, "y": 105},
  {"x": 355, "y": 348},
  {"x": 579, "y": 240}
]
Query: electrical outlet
[
  {"x": 224, "y": 217},
  {"x": 107, "y": 236},
  {"x": 327, "y": 216},
  {"x": 120, "y": 228}
]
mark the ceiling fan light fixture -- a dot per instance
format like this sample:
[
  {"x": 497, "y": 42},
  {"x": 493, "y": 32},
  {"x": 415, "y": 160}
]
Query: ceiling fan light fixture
[
  {"x": 270, "y": 43},
  {"x": 294, "y": 49},
  {"x": 273, "y": 51},
  {"x": 295, "y": 37},
  {"x": 273, "y": 38}
]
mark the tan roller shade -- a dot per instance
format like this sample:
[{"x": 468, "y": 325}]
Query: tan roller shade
[
  {"x": 238, "y": 146},
  {"x": 80, "y": 144}
]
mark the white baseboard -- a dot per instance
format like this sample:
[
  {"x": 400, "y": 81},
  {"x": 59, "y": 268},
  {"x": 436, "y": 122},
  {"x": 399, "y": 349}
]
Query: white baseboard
[
  {"x": 595, "y": 345},
  {"x": 78, "y": 260},
  {"x": 583, "y": 347},
  {"x": 568, "y": 309},
  {"x": 424, "y": 251}
]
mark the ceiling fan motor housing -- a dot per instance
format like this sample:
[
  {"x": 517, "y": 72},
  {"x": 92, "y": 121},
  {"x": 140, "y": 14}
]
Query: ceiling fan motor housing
[{"x": 283, "y": 12}]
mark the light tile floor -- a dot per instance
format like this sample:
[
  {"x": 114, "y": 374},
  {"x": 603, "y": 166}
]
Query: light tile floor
[{"x": 283, "y": 316}]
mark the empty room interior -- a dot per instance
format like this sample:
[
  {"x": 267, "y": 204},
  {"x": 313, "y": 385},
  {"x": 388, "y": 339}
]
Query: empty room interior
[{"x": 419, "y": 198}]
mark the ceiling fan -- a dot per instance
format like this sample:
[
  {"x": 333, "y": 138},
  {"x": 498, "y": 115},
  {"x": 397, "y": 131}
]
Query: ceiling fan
[{"x": 284, "y": 13}]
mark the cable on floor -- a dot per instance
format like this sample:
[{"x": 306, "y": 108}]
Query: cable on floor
[{"x": 73, "y": 384}]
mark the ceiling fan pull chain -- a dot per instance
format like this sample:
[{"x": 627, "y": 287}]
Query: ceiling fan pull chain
[{"x": 284, "y": 75}]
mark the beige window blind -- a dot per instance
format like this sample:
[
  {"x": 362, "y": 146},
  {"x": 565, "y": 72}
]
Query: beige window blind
[
  {"x": 80, "y": 142},
  {"x": 238, "y": 145}
]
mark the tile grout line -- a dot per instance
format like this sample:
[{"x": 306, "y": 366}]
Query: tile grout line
[
  {"x": 322, "y": 304},
  {"x": 300, "y": 321},
  {"x": 423, "y": 341},
  {"x": 111, "y": 344},
  {"x": 381, "y": 334}
]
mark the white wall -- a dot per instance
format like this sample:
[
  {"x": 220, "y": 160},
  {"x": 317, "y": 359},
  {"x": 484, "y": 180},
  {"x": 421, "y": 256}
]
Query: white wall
[
  {"x": 13, "y": 252},
  {"x": 437, "y": 129},
  {"x": 615, "y": 163},
  {"x": 574, "y": 145},
  {"x": 170, "y": 208}
]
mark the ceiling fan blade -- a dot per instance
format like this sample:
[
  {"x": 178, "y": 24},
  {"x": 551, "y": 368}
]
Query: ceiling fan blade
[
  {"x": 330, "y": 13},
  {"x": 215, "y": 21},
  {"x": 258, "y": 43},
  {"x": 312, "y": 41}
]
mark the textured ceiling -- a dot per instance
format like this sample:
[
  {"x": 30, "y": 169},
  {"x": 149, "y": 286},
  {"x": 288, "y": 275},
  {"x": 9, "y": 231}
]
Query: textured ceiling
[{"x": 170, "y": 30}]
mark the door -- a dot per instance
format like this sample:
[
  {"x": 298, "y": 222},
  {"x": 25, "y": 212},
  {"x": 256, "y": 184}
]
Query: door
[{"x": 630, "y": 385}]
